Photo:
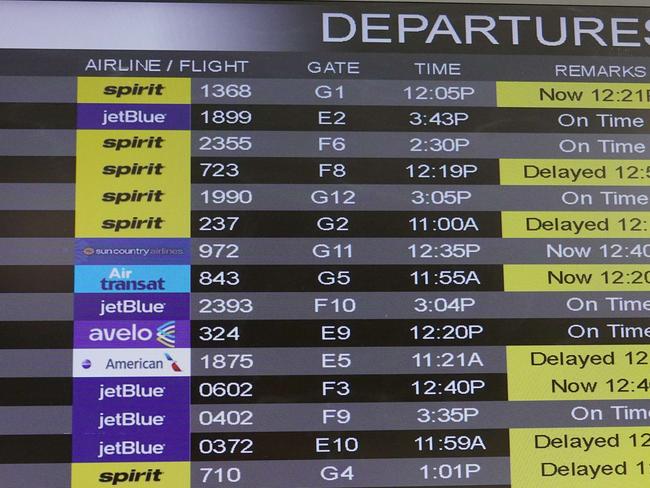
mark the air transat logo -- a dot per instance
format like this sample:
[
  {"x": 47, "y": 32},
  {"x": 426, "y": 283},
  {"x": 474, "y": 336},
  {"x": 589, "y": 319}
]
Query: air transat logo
[{"x": 166, "y": 334}]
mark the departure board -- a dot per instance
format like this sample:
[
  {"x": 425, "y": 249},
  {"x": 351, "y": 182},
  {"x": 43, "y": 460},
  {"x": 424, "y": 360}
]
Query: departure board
[{"x": 324, "y": 244}]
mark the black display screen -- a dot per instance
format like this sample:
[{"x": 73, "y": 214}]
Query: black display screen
[{"x": 324, "y": 244}]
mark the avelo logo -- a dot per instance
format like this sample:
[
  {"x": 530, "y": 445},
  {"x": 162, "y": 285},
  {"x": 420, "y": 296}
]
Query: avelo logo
[{"x": 165, "y": 334}]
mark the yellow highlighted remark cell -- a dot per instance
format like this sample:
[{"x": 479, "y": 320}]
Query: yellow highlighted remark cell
[
  {"x": 572, "y": 94},
  {"x": 587, "y": 457},
  {"x": 574, "y": 172},
  {"x": 532, "y": 224},
  {"x": 602, "y": 372},
  {"x": 576, "y": 277}
]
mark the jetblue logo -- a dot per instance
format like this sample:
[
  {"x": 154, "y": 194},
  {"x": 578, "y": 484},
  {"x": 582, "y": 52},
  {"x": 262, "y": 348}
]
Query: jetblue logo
[
  {"x": 130, "y": 306},
  {"x": 129, "y": 448}
]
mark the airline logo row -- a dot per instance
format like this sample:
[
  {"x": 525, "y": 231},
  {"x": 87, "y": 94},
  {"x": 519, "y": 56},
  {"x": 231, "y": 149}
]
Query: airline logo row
[
  {"x": 132, "y": 279},
  {"x": 161, "y": 334},
  {"x": 102, "y": 363},
  {"x": 127, "y": 251},
  {"x": 158, "y": 474},
  {"x": 138, "y": 117},
  {"x": 133, "y": 306},
  {"x": 148, "y": 90}
]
